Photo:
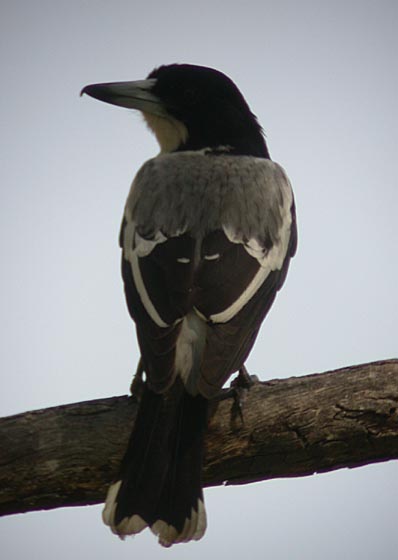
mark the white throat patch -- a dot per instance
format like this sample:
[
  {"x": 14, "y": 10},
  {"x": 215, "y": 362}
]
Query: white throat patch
[{"x": 170, "y": 132}]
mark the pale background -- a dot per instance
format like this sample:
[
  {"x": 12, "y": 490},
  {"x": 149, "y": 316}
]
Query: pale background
[{"x": 322, "y": 78}]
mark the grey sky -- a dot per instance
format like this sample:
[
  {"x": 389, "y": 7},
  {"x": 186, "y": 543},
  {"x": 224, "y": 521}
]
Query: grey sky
[{"x": 322, "y": 78}]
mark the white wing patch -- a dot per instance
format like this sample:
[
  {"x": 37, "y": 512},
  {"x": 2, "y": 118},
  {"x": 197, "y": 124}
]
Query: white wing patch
[
  {"x": 245, "y": 296},
  {"x": 134, "y": 247},
  {"x": 143, "y": 246},
  {"x": 141, "y": 289},
  {"x": 269, "y": 260},
  {"x": 214, "y": 257}
]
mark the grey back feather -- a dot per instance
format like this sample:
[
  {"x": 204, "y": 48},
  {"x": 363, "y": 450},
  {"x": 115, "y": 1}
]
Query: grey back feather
[{"x": 199, "y": 192}]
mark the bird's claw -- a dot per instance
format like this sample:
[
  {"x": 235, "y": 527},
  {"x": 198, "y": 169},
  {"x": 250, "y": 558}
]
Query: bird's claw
[
  {"x": 238, "y": 391},
  {"x": 137, "y": 382}
]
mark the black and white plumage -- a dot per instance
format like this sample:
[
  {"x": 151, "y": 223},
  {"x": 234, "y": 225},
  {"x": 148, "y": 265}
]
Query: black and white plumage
[{"x": 207, "y": 236}]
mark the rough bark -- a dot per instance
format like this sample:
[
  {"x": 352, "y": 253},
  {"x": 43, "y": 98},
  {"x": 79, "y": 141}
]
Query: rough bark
[{"x": 67, "y": 455}]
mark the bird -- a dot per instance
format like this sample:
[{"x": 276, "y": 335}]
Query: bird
[{"x": 208, "y": 232}]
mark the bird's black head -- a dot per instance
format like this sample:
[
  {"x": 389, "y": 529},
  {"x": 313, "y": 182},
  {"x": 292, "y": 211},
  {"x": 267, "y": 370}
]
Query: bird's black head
[
  {"x": 190, "y": 108},
  {"x": 211, "y": 107}
]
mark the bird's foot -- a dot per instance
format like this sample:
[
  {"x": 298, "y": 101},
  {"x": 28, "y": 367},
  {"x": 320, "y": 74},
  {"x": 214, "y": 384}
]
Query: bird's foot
[
  {"x": 244, "y": 380},
  {"x": 240, "y": 387},
  {"x": 238, "y": 390},
  {"x": 137, "y": 382}
]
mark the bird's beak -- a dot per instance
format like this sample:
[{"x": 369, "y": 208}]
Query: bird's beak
[{"x": 132, "y": 95}]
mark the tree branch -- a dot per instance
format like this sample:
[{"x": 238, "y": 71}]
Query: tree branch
[{"x": 67, "y": 455}]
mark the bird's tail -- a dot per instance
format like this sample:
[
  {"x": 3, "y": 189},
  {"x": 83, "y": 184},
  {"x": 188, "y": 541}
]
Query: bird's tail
[{"x": 159, "y": 484}]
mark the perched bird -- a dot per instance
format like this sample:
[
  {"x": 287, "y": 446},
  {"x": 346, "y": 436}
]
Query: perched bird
[{"x": 208, "y": 232}]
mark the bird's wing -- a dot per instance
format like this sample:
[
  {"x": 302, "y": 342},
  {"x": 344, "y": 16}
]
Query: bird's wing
[
  {"x": 205, "y": 238},
  {"x": 254, "y": 248}
]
